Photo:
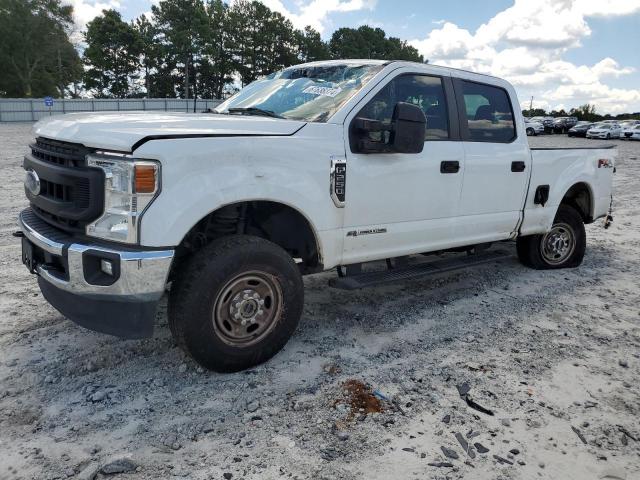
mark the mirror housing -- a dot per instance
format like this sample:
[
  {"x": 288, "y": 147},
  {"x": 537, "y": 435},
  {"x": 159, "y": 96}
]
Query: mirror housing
[
  {"x": 404, "y": 134},
  {"x": 409, "y": 126}
]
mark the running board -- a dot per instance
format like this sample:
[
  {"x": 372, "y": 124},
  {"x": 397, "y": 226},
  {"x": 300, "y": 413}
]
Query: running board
[{"x": 370, "y": 279}]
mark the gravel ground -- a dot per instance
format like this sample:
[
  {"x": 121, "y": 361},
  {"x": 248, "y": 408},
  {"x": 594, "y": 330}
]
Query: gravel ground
[{"x": 552, "y": 355}]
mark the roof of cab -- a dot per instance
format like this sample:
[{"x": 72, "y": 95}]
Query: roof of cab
[{"x": 368, "y": 61}]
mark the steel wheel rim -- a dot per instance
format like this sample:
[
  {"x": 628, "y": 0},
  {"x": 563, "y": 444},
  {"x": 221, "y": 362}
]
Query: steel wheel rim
[
  {"x": 558, "y": 244},
  {"x": 247, "y": 308}
]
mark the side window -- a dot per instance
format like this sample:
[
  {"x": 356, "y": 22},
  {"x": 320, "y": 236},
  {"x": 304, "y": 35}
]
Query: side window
[
  {"x": 425, "y": 91},
  {"x": 489, "y": 113}
]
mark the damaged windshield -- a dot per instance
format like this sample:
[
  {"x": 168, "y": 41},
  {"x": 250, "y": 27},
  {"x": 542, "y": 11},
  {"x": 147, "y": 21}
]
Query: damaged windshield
[{"x": 309, "y": 93}]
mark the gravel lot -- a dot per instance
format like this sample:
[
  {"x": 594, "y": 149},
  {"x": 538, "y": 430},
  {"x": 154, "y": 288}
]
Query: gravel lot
[{"x": 554, "y": 355}]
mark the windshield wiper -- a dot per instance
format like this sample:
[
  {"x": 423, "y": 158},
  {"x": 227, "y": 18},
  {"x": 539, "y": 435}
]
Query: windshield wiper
[{"x": 254, "y": 111}]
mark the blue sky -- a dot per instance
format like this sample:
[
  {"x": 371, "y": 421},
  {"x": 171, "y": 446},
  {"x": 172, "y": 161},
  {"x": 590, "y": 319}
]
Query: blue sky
[{"x": 562, "y": 52}]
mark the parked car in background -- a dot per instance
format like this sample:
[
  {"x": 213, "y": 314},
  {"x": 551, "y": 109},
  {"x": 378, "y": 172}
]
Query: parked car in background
[
  {"x": 626, "y": 124},
  {"x": 533, "y": 128},
  {"x": 632, "y": 133},
  {"x": 604, "y": 130},
  {"x": 580, "y": 129},
  {"x": 547, "y": 122},
  {"x": 563, "y": 124}
]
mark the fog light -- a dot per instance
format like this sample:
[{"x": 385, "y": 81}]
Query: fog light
[{"x": 106, "y": 266}]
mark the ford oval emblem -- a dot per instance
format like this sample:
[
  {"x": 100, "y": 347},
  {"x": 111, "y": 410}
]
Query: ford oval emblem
[{"x": 32, "y": 182}]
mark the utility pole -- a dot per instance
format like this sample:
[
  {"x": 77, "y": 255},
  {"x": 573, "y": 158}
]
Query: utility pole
[{"x": 531, "y": 105}]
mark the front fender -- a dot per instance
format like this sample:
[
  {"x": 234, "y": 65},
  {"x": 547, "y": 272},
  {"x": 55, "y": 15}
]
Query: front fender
[{"x": 200, "y": 175}]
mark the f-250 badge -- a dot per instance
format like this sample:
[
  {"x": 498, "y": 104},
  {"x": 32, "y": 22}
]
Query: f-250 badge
[{"x": 338, "y": 180}]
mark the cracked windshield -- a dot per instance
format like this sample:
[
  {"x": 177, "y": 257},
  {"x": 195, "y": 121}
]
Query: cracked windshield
[{"x": 312, "y": 94}]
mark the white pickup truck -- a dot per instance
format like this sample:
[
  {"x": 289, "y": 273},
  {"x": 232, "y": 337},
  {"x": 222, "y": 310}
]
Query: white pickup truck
[{"x": 322, "y": 165}]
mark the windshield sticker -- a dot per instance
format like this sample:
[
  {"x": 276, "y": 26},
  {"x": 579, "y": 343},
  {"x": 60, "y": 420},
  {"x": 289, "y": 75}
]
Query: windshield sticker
[{"x": 324, "y": 91}]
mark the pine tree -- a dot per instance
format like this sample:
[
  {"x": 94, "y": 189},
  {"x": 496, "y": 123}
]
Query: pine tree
[{"x": 36, "y": 54}]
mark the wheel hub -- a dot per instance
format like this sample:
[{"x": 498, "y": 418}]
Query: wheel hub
[
  {"x": 558, "y": 244},
  {"x": 247, "y": 308}
]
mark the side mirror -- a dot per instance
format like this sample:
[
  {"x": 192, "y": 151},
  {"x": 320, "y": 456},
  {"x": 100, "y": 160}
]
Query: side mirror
[
  {"x": 404, "y": 134},
  {"x": 409, "y": 126}
]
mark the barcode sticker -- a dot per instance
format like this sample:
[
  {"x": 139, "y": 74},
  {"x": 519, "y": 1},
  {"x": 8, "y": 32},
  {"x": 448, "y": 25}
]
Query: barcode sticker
[{"x": 324, "y": 91}]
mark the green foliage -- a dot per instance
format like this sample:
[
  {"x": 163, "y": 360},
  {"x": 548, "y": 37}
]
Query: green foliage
[
  {"x": 36, "y": 54},
  {"x": 195, "y": 48},
  {"x": 368, "y": 42},
  {"x": 150, "y": 51},
  {"x": 182, "y": 27},
  {"x": 586, "y": 112},
  {"x": 202, "y": 48},
  {"x": 217, "y": 67},
  {"x": 111, "y": 56},
  {"x": 535, "y": 112},
  {"x": 311, "y": 47},
  {"x": 264, "y": 41}
]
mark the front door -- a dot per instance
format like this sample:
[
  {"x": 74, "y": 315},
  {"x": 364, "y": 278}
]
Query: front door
[{"x": 397, "y": 203}]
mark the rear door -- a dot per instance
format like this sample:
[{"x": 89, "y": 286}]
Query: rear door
[{"x": 497, "y": 162}]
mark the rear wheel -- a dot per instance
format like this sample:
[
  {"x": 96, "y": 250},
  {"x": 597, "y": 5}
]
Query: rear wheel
[
  {"x": 562, "y": 247},
  {"x": 530, "y": 131},
  {"x": 235, "y": 303}
]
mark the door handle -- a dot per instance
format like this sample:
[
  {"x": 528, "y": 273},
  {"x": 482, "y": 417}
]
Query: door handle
[
  {"x": 449, "y": 166},
  {"x": 518, "y": 166}
]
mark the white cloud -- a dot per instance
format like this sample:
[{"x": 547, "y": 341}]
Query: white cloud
[
  {"x": 526, "y": 43},
  {"x": 607, "y": 8},
  {"x": 315, "y": 12},
  {"x": 86, "y": 10}
]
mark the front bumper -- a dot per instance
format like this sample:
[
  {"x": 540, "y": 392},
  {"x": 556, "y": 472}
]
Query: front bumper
[{"x": 70, "y": 279}]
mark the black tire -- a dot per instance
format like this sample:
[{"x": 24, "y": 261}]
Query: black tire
[
  {"x": 224, "y": 266},
  {"x": 608, "y": 136},
  {"x": 530, "y": 132},
  {"x": 535, "y": 251}
]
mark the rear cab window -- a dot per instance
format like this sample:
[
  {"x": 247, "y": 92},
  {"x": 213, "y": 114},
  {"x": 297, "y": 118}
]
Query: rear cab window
[{"x": 487, "y": 113}]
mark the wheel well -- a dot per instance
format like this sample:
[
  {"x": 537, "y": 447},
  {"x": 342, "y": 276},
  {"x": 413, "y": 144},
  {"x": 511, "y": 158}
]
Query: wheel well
[
  {"x": 276, "y": 222},
  {"x": 579, "y": 197}
]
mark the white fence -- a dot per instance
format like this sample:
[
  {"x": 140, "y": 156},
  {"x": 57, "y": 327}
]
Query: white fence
[{"x": 31, "y": 110}]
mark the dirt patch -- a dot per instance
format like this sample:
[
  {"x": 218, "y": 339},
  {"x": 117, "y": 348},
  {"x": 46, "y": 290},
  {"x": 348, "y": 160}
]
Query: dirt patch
[{"x": 360, "y": 398}]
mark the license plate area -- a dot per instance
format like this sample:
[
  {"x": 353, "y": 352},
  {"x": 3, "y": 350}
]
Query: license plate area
[{"x": 28, "y": 257}]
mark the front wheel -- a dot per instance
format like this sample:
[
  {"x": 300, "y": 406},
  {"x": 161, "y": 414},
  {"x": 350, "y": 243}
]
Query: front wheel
[
  {"x": 530, "y": 132},
  {"x": 235, "y": 303},
  {"x": 561, "y": 247}
]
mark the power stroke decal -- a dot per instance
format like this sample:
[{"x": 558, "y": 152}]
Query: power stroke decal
[{"x": 368, "y": 231}]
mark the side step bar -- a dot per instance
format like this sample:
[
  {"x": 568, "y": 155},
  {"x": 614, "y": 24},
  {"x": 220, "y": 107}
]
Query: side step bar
[{"x": 370, "y": 279}]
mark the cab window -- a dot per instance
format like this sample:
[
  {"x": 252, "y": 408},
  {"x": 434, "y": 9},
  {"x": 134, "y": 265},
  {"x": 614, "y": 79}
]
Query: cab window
[
  {"x": 423, "y": 90},
  {"x": 489, "y": 115}
]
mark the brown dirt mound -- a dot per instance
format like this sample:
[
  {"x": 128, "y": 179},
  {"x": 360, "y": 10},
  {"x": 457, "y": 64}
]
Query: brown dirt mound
[{"x": 360, "y": 398}]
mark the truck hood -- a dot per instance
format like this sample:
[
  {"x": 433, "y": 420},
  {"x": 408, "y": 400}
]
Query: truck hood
[{"x": 124, "y": 131}]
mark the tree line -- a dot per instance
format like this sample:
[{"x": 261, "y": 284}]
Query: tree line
[
  {"x": 586, "y": 112},
  {"x": 184, "y": 49}
]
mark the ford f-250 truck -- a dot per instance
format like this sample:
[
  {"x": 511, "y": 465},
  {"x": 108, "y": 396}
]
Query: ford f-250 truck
[{"x": 323, "y": 165}]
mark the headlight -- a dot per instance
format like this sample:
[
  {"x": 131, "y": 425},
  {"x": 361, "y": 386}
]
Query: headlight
[{"x": 130, "y": 186}]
